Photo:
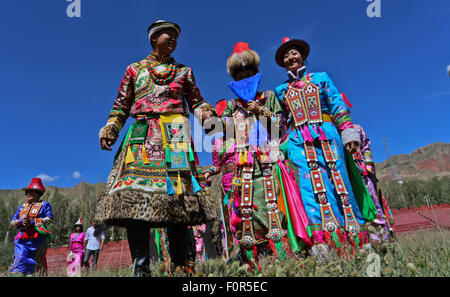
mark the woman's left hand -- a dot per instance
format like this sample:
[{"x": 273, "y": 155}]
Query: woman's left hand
[
  {"x": 254, "y": 107},
  {"x": 351, "y": 147}
]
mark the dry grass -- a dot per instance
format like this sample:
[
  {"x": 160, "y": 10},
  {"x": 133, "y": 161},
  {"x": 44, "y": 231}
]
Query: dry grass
[{"x": 420, "y": 254}]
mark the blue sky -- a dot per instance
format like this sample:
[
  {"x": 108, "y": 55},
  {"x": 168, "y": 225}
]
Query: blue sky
[{"x": 60, "y": 75}]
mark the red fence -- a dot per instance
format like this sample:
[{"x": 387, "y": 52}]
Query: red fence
[
  {"x": 114, "y": 254},
  {"x": 419, "y": 218}
]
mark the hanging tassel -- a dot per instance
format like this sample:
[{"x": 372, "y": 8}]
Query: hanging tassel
[
  {"x": 144, "y": 156},
  {"x": 191, "y": 154},
  {"x": 273, "y": 248},
  {"x": 129, "y": 158},
  {"x": 245, "y": 156},
  {"x": 321, "y": 134},
  {"x": 179, "y": 186},
  {"x": 281, "y": 250},
  {"x": 352, "y": 243},
  {"x": 225, "y": 199},
  {"x": 195, "y": 186},
  {"x": 326, "y": 236},
  {"x": 258, "y": 153},
  {"x": 167, "y": 156},
  {"x": 306, "y": 134},
  {"x": 360, "y": 239},
  {"x": 250, "y": 157},
  {"x": 255, "y": 253},
  {"x": 262, "y": 157},
  {"x": 268, "y": 156},
  {"x": 241, "y": 158},
  {"x": 341, "y": 236},
  {"x": 336, "y": 239},
  {"x": 170, "y": 190}
]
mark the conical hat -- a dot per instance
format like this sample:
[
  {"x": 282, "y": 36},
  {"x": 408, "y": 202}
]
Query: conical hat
[
  {"x": 36, "y": 184},
  {"x": 78, "y": 222}
]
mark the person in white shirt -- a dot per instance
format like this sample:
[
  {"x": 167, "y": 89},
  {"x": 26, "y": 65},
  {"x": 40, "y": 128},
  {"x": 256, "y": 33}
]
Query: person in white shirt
[{"x": 95, "y": 237}]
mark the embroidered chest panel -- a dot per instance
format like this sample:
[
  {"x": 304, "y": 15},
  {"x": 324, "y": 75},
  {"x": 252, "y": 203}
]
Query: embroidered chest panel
[
  {"x": 30, "y": 210},
  {"x": 303, "y": 100}
]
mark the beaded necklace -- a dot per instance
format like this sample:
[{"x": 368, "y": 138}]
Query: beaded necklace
[{"x": 161, "y": 74}]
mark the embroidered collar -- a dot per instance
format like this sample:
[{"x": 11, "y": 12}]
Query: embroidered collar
[
  {"x": 163, "y": 59},
  {"x": 34, "y": 202},
  {"x": 300, "y": 72}
]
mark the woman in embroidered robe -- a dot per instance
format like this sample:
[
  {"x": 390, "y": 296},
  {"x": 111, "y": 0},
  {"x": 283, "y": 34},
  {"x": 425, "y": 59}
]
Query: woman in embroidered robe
[
  {"x": 248, "y": 172},
  {"x": 364, "y": 159},
  {"x": 32, "y": 239},
  {"x": 155, "y": 181},
  {"x": 223, "y": 156},
  {"x": 321, "y": 132},
  {"x": 76, "y": 250}
]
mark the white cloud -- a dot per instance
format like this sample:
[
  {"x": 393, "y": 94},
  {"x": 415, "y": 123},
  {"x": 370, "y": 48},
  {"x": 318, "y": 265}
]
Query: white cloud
[
  {"x": 76, "y": 175},
  {"x": 47, "y": 178},
  {"x": 448, "y": 70}
]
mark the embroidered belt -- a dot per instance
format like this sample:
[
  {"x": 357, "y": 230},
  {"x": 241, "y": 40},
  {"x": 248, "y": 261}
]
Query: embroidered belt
[
  {"x": 147, "y": 116},
  {"x": 325, "y": 117}
]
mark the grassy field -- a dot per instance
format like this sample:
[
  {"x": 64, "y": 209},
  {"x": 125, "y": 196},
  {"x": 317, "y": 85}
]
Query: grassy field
[{"x": 421, "y": 254}]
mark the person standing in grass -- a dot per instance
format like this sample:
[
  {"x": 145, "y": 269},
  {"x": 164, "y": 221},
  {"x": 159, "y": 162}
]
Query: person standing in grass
[
  {"x": 246, "y": 157},
  {"x": 31, "y": 219},
  {"x": 364, "y": 159},
  {"x": 155, "y": 181},
  {"x": 95, "y": 237},
  {"x": 75, "y": 258},
  {"x": 319, "y": 145}
]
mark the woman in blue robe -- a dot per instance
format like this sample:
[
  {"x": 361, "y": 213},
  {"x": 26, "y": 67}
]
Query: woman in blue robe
[
  {"x": 31, "y": 241},
  {"x": 321, "y": 136}
]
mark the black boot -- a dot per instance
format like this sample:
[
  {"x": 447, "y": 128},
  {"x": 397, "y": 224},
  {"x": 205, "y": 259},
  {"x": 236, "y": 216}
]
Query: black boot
[
  {"x": 139, "y": 242},
  {"x": 177, "y": 244}
]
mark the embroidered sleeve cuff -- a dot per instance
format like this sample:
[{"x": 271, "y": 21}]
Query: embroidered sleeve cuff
[
  {"x": 110, "y": 131},
  {"x": 200, "y": 111},
  {"x": 213, "y": 169},
  {"x": 349, "y": 135}
]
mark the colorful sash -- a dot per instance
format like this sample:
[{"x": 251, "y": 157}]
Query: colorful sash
[{"x": 179, "y": 154}]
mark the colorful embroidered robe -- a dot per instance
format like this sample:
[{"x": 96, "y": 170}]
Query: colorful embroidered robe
[
  {"x": 272, "y": 111},
  {"x": 317, "y": 158},
  {"x": 31, "y": 243},
  {"x": 140, "y": 186},
  {"x": 364, "y": 159}
]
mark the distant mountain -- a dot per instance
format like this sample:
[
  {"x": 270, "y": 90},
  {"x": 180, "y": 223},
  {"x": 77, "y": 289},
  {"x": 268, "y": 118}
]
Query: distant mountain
[
  {"x": 76, "y": 192},
  {"x": 423, "y": 163}
]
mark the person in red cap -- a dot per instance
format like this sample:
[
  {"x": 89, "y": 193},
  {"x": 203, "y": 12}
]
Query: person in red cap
[
  {"x": 246, "y": 159},
  {"x": 321, "y": 139},
  {"x": 155, "y": 180},
  {"x": 32, "y": 239}
]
